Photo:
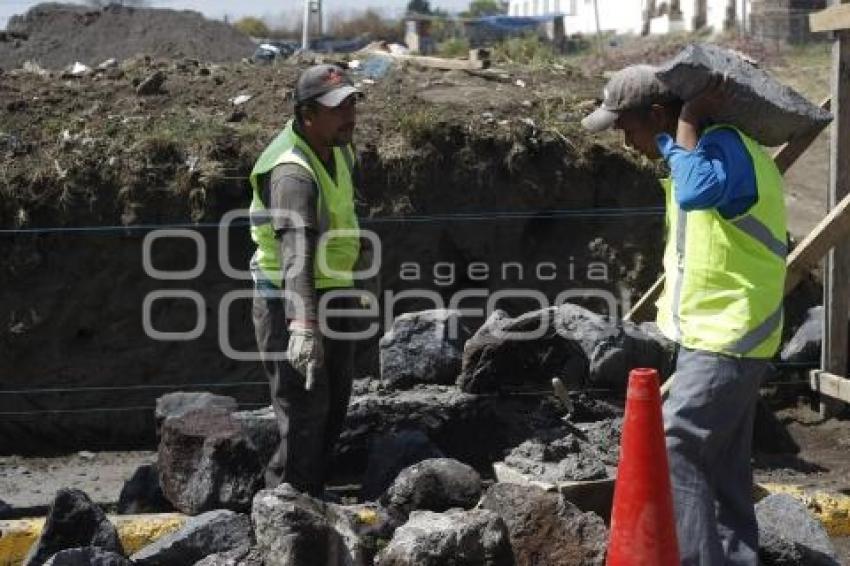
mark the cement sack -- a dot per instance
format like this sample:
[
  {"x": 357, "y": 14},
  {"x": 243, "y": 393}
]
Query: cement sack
[{"x": 759, "y": 105}]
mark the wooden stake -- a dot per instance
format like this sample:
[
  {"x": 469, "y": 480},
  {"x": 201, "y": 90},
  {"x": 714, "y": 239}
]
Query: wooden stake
[{"x": 837, "y": 267}]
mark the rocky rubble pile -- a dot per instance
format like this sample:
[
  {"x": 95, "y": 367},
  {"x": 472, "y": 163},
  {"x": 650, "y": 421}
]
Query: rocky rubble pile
[{"x": 426, "y": 440}]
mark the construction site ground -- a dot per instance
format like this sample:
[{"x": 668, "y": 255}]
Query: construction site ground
[
  {"x": 88, "y": 151},
  {"x": 821, "y": 467}
]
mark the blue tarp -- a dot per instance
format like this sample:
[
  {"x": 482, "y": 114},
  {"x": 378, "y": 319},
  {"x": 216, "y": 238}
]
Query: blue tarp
[{"x": 510, "y": 24}]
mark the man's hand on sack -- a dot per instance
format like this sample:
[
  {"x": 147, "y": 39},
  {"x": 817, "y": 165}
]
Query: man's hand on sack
[
  {"x": 698, "y": 110},
  {"x": 305, "y": 352}
]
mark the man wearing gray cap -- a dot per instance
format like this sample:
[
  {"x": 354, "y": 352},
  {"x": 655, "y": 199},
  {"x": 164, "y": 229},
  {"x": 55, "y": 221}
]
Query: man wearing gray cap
[
  {"x": 302, "y": 188},
  {"x": 724, "y": 263}
]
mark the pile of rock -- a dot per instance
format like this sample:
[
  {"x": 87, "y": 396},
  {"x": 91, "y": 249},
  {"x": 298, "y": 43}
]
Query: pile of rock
[
  {"x": 436, "y": 512},
  {"x": 449, "y": 405}
]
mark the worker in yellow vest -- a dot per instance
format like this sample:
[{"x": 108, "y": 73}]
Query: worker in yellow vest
[
  {"x": 305, "y": 228},
  {"x": 722, "y": 303}
]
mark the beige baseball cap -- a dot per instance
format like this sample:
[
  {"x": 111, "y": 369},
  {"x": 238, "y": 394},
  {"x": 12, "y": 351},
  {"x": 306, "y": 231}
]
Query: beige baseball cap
[
  {"x": 329, "y": 85},
  {"x": 636, "y": 86}
]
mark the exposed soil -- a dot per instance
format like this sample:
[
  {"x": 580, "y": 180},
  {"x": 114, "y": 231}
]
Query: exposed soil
[
  {"x": 57, "y": 35},
  {"x": 822, "y": 463},
  {"x": 89, "y": 151}
]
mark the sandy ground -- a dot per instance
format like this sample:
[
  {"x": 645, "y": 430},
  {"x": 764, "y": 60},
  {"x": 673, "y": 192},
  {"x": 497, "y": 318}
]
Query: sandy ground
[
  {"x": 31, "y": 483},
  {"x": 821, "y": 465}
]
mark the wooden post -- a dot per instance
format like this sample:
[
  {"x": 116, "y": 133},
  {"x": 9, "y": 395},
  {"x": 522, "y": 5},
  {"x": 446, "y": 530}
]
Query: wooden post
[{"x": 837, "y": 267}]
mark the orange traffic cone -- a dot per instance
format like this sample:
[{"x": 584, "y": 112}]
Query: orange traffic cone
[{"x": 643, "y": 531}]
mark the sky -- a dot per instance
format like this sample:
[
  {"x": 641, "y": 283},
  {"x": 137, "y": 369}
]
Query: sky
[{"x": 261, "y": 8}]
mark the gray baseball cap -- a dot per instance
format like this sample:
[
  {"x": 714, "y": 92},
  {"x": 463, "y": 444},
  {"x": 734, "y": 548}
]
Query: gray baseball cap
[
  {"x": 636, "y": 86},
  {"x": 328, "y": 85}
]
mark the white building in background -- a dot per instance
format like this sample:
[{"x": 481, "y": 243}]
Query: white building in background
[
  {"x": 627, "y": 16},
  {"x": 620, "y": 16}
]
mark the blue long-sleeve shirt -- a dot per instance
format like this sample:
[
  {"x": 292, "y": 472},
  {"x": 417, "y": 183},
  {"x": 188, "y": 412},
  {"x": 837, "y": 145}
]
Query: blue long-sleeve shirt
[{"x": 718, "y": 173}]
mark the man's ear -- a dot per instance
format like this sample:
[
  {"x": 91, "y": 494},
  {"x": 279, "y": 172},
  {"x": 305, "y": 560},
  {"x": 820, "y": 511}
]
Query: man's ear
[
  {"x": 307, "y": 113},
  {"x": 659, "y": 115}
]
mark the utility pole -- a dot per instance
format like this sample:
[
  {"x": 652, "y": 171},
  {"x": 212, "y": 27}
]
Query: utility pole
[
  {"x": 320, "y": 19},
  {"x": 598, "y": 27},
  {"x": 305, "y": 32}
]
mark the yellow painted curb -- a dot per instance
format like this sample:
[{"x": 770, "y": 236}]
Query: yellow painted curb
[
  {"x": 135, "y": 532},
  {"x": 831, "y": 509}
]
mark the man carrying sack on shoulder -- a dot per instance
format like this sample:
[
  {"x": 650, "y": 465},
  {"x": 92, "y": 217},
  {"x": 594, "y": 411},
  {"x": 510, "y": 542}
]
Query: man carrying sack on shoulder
[{"x": 724, "y": 263}]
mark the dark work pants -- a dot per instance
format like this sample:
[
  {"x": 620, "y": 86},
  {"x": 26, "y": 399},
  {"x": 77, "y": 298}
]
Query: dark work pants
[
  {"x": 310, "y": 422},
  {"x": 708, "y": 424}
]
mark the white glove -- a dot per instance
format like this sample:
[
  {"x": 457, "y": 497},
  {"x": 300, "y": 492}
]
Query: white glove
[{"x": 305, "y": 354}]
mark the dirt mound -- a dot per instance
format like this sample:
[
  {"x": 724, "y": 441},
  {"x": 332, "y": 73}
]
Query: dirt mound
[{"x": 56, "y": 35}]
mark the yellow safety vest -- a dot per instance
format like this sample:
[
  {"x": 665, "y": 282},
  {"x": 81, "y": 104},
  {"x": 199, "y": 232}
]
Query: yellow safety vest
[
  {"x": 725, "y": 278},
  {"x": 337, "y": 253}
]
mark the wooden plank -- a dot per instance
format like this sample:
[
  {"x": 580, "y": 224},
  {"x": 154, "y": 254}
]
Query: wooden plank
[
  {"x": 784, "y": 158},
  {"x": 642, "y": 309},
  {"x": 837, "y": 267},
  {"x": 833, "y": 18},
  {"x": 829, "y": 231},
  {"x": 439, "y": 62},
  {"x": 834, "y": 386}
]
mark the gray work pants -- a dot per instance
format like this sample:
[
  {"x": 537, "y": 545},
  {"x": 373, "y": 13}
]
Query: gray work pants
[
  {"x": 309, "y": 422},
  {"x": 708, "y": 424}
]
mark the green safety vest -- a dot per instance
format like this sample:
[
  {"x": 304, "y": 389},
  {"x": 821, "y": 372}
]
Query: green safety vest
[
  {"x": 335, "y": 255},
  {"x": 725, "y": 278}
]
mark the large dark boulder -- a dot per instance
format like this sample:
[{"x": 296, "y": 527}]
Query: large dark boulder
[
  {"x": 457, "y": 537},
  {"x": 87, "y": 556},
  {"x": 545, "y": 528},
  {"x": 389, "y": 454},
  {"x": 790, "y": 536},
  {"x": 262, "y": 429},
  {"x": 769, "y": 111},
  {"x": 437, "y": 484},
  {"x": 423, "y": 347},
  {"x": 207, "y": 462},
  {"x": 567, "y": 342},
  {"x": 142, "y": 493},
  {"x": 179, "y": 403},
  {"x": 209, "y": 533},
  {"x": 469, "y": 427},
  {"x": 496, "y": 357},
  {"x": 73, "y": 521},
  {"x": 293, "y": 528}
]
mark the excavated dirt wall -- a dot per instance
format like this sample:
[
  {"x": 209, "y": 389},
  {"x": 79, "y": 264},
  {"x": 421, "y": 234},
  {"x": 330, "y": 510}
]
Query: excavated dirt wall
[{"x": 462, "y": 187}]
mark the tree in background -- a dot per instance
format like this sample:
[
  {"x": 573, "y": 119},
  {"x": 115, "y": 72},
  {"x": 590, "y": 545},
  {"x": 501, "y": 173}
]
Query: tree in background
[
  {"x": 368, "y": 23},
  {"x": 479, "y": 8},
  {"x": 419, "y": 7},
  {"x": 253, "y": 27}
]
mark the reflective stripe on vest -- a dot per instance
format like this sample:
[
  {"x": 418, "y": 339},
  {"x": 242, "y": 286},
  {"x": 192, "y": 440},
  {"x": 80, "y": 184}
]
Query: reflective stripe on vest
[
  {"x": 335, "y": 211},
  {"x": 725, "y": 278}
]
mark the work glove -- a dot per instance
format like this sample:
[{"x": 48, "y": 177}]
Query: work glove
[{"x": 305, "y": 354}]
